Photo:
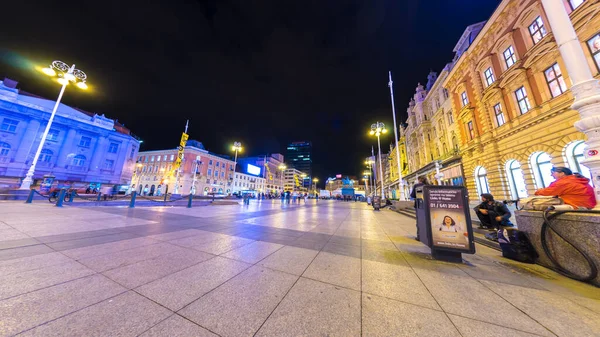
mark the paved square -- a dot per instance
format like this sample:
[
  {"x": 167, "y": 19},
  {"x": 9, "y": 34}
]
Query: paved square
[{"x": 266, "y": 269}]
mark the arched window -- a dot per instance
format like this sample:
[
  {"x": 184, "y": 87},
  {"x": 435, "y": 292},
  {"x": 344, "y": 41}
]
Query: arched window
[
  {"x": 46, "y": 155},
  {"x": 575, "y": 157},
  {"x": 481, "y": 180},
  {"x": 444, "y": 148},
  {"x": 79, "y": 160},
  {"x": 541, "y": 166},
  {"x": 454, "y": 142},
  {"x": 516, "y": 180},
  {"x": 4, "y": 149}
]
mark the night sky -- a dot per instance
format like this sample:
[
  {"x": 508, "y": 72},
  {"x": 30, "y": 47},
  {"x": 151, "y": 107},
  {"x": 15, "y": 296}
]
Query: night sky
[{"x": 262, "y": 72}]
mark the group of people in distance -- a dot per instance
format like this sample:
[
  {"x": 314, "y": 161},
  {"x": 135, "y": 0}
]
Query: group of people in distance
[{"x": 573, "y": 188}]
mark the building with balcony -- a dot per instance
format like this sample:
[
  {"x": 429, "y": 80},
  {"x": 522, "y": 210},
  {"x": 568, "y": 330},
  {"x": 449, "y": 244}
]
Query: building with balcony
[
  {"x": 511, "y": 102},
  {"x": 201, "y": 172},
  {"x": 81, "y": 147}
]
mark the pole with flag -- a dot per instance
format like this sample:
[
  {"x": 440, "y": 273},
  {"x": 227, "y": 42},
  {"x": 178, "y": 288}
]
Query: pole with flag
[
  {"x": 180, "y": 148},
  {"x": 400, "y": 182}
]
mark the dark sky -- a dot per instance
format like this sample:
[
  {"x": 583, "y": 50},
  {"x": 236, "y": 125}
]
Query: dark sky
[{"x": 263, "y": 72}]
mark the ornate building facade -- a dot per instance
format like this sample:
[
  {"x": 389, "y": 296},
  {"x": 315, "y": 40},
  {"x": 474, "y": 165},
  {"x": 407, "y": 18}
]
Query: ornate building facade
[
  {"x": 511, "y": 99},
  {"x": 81, "y": 147}
]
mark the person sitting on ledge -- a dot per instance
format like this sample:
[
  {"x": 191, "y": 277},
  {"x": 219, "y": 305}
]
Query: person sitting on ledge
[
  {"x": 573, "y": 189},
  {"x": 491, "y": 213}
]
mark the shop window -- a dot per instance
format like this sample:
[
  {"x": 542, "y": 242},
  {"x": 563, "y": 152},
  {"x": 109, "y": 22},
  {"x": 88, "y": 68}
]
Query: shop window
[
  {"x": 522, "y": 100},
  {"x": 516, "y": 180},
  {"x": 481, "y": 180},
  {"x": 499, "y": 114},
  {"x": 541, "y": 166},
  {"x": 555, "y": 80},
  {"x": 575, "y": 157},
  {"x": 489, "y": 76},
  {"x": 537, "y": 30},
  {"x": 509, "y": 56}
]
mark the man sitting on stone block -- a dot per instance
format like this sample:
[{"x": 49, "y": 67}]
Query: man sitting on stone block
[
  {"x": 573, "y": 189},
  {"x": 491, "y": 213}
]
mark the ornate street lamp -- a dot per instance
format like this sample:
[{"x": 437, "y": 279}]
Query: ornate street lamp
[
  {"x": 237, "y": 147},
  {"x": 66, "y": 75},
  {"x": 377, "y": 129}
]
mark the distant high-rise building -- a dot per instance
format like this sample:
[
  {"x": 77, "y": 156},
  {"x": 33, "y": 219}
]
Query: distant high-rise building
[{"x": 299, "y": 156}]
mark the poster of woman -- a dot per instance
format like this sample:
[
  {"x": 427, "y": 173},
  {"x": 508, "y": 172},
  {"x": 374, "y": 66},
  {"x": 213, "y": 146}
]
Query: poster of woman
[{"x": 448, "y": 229}]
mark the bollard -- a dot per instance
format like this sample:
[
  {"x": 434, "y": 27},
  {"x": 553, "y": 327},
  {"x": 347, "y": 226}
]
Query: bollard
[
  {"x": 61, "y": 197},
  {"x": 190, "y": 198},
  {"x": 165, "y": 200},
  {"x": 132, "y": 202},
  {"x": 30, "y": 197},
  {"x": 99, "y": 196},
  {"x": 71, "y": 194}
]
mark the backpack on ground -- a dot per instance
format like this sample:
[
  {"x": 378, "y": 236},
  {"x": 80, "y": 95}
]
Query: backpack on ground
[{"x": 516, "y": 246}]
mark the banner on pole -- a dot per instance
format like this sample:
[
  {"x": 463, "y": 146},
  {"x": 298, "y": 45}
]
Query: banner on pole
[{"x": 180, "y": 148}]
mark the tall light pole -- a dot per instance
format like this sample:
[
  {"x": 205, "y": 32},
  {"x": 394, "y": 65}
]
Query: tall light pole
[
  {"x": 366, "y": 178},
  {"x": 377, "y": 129},
  {"x": 237, "y": 147},
  {"x": 400, "y": 182},
  {"x": 369, "y": 164},
  {"x": 282, "y": 168},
  {"x": 66, "y": 75},
  {"x": 303, "y": 176},
  {"x": 585, "y": 88},
  {"x": 315, "y": 181},
  {"x": 193, "y": 189}
]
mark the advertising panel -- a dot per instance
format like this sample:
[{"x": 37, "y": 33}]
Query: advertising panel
[
  {"x": 254, "y": 170},
  {"x": 449, "y": 218}
]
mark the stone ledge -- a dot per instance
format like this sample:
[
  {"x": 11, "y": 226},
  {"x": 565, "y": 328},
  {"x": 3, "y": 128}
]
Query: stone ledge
[{"x": 583, "y": 229}]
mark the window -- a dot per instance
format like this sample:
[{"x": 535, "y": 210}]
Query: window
[
  {"x": 132, "y": 153},
  {"x": 172, "y": 157},
  {"x": 450, "y": 118},
  {"x": 523, "y": 100},
  {"x": 555, "y": 80},
  {"x": 464, "y": 98},
  {"x": 109, "y": 164},
  {"x": 46, "y": 155},
  {"x": 575, "y": 3},
  {"x": 594, "y": 46},
  {"x": 489, "y": 76},
  {"x": 222, "y": 174},
  {"x": 470, "y": 129},
  {"x": 210, "y": 162},
  {"x": 4, "y": 149},
  {"x": 575, "y": 157},
  {"x": 216, "y": 173},
  {"x": 499, "y": 114},
  {"x": 79, "y": 160},
  {"x": 9, "y": 125},
  {"x": 151, "y": 158},
  {"x": 537, "y": 30},
  {"x": 540, "y": 162},
  {"x": 85, "y": 141},
  {"x": 158, "y": 158},
  {"x": 509, "y": 56},
  {"x": 516, "y": 179},
  {"x": 481, "y": 180},
  {"x": 52, "y": 135},
  {"x": 165, "y": 158},
  {"x": 209, "y": 172}
]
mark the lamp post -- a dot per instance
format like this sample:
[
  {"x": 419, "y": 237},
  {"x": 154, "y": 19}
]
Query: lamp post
[
  {"x": 237, "y": 147},
  {"x": 194, "y": 180},
  {"x": 377, "y": 129},
  {"x": 303, "y": 176},
  {"x": 138, "y": 171},
  {"x": 366, "y": 178},
  {"x": 66, "y": 75},
  {"x": 585, "y": 88},
  {"x": 369, "y": 164},
  {"x": 400, "y": 182},
  {"x": 315, "y": 181},
  {"x": 282, "y": 168}
]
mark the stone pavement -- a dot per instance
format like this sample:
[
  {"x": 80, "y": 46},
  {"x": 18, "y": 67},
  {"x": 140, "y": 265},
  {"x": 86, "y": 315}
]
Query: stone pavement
[{"x": 332, "y": 269}]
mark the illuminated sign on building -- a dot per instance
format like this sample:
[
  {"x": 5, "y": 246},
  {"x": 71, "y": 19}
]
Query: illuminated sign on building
[{"x": 254, "y": 170}]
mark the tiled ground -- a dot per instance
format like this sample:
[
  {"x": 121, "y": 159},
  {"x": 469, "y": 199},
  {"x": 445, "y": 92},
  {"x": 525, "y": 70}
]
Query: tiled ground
[{"x": 332, "y": 269}]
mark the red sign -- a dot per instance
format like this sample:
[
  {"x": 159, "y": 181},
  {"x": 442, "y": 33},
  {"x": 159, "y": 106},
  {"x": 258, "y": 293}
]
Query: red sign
[{"x": 592, "y": 153}]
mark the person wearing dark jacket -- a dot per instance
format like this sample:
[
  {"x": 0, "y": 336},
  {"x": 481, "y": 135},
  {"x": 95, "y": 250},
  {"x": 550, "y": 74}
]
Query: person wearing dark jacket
[
  {"x": 413, "y": 194},
  {"x": 491, "y": 213}
]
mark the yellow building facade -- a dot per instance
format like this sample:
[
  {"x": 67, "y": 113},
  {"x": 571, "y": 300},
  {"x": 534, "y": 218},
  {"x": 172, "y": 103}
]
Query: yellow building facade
[{"x": 511, "y": 99}]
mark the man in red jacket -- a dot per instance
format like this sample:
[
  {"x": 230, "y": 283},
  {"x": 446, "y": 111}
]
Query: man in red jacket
[{"x": 573, "y": 189}]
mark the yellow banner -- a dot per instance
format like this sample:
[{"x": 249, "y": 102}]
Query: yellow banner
[{"x": 180, "y": 148}]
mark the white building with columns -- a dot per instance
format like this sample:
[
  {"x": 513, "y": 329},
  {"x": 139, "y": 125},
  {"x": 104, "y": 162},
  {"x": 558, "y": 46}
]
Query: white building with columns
[{"x": 81, "y": 148}]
